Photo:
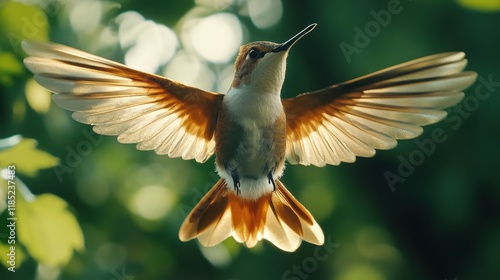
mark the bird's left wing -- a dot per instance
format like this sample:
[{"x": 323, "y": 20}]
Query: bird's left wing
[
  {"x": 157, "y": 113},
  {"x": 339, "y": 123}
]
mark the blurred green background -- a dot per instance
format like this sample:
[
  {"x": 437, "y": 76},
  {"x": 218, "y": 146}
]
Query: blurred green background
[{"x": 439, "y": 220}]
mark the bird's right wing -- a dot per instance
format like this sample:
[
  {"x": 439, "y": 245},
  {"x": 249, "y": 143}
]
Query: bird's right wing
[
  {"x": 341, "y": 122},
  {"x": 157, "y": 113}
]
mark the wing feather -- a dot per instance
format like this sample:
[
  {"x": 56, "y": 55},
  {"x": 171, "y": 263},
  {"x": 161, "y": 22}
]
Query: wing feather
[
  {"x": 341, "y": 122},
  {"x": 157, "y": 113}
]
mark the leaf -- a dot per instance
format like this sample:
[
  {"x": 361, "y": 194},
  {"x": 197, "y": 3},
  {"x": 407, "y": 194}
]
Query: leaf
[
  {"x": 27, "y": 158},
  {"x": 481, "y": 5},
  {"x": 5, "y": 259},
  {"x": 19, "y": 21},
  {"x": 48, "y": 231},
  {"x": 9, "y": 64}
]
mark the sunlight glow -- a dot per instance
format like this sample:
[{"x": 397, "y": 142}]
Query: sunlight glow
[
  {"x": 85, "y": 15},
  {"x": 152, "y": 202},
  {"x": 481, "y": 5},
  {"x": 217, "y": 5},
  {"x": 265, "y": 13},
  {"x": 216, "y": 38},
  {"x": 37, "y": 96},
  {"x": 361, "y": 271},
  {"x": 148, "y": 45},
  {"x": 217, "y": 255},
  {"x": 188, "y": 69}
]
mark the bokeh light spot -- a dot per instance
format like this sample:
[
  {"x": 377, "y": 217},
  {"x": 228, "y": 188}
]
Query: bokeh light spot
[
  {"x": 265, "y": 13},
  {"x": 216, "y": 38},
  {"x": 37, "y": 96},
  {"x": 481, "y": 5},
  {"x": 149, "y": 45},
  {"x": 85, "y": 15},
  {"x": 190, "y": 70},
  {"x": 152, "y": 202},
  {"x": 217, "y": 255},
  {"x": 361, "y": 271}
]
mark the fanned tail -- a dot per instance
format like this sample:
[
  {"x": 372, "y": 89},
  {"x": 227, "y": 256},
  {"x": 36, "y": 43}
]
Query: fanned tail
[{"x": 277, "y": 217}]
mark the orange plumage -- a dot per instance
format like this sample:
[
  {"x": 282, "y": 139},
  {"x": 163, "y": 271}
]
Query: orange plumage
[{"x": 277, "y": 217}]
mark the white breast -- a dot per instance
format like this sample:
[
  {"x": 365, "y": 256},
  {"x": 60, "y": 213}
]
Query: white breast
[{"x": 256, "y": 113}]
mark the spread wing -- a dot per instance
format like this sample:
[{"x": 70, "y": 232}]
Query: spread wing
[
  {"x": 157, "y": 113},
  {"x": 338, "y": 123}
]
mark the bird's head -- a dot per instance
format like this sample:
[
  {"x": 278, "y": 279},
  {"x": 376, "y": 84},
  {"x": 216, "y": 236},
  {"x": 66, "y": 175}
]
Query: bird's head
[{"x": 261, "y": 65}]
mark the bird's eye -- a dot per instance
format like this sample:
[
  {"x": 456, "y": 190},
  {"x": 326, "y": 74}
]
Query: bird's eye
[{"x": 254, "y": 53}]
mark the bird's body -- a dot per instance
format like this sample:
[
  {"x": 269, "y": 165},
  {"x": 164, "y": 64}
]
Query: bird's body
[
  {"x": 250, "y": 150},
  {"x": 251, "y": 129},
  {"x": 251, "y": 135}
]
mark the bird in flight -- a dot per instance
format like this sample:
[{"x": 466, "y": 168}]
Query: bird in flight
[{"x": 250, "y": 128}]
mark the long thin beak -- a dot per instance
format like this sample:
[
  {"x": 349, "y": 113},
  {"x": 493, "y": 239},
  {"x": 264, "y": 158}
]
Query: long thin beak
[{"x": 286, "y": 45}]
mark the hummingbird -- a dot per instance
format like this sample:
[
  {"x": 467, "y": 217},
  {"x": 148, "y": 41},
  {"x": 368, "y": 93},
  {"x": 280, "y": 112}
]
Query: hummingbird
[{"x": 250, "y": 128}]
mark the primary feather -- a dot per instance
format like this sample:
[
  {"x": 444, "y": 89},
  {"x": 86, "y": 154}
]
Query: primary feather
[
  {"x": 155, "y": 112},
  {"x": 338, "y": 123}
]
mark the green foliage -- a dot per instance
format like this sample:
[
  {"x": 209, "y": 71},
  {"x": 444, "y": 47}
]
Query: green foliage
[
  {"x": 47, "y": 230},
  {"x": 4, "y": 258},
  {"x": 27, "y": 158},
  {"x": 42, "y": 223},
  {"x": 9, "y": 67},
  {"x": 19, "y": 22}
]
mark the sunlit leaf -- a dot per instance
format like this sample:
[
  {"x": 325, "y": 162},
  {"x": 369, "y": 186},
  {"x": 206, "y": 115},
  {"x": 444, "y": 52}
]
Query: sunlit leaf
[
  {"x": 48, "y": 231},
  {"x": 481, "y": 5},
  {"x": 27, "y": 158},
  {"x": 37, "y": 96},
  {"x": 19, "y": 22},
  {"x": 5, "y": 258},
  {"x": 9, "y": 64}
]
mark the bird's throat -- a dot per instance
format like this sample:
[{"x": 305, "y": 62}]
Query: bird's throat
[{"x": 249, "y": 105}]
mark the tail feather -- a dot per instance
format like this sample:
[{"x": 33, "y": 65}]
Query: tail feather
[
  {"x": 310, "y": 230},
  {"x": 277, "y": 217},
  {"x": 209, "y": 220}
]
